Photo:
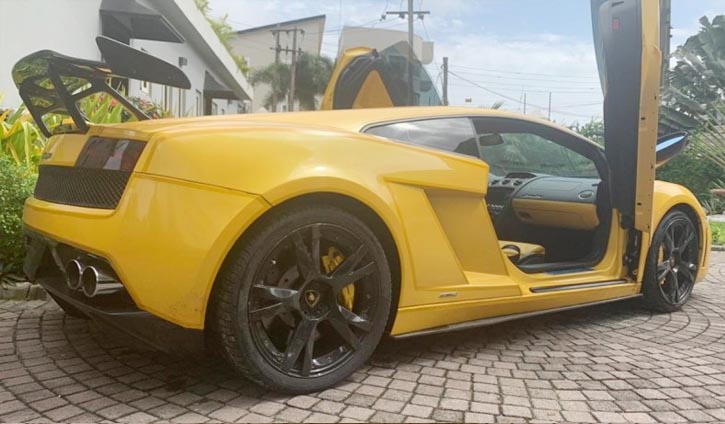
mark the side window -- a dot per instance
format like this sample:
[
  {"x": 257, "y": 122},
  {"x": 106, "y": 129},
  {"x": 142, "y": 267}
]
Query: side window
[
  {"x": 449, "y": 134},
  {"x": 510, "y": 148}
]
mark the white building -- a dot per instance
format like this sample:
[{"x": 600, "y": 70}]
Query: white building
[
  {"x": 380, "y": 39},
  {"x": 257, "y": 46},
  {"x": 172, "y": 30}
]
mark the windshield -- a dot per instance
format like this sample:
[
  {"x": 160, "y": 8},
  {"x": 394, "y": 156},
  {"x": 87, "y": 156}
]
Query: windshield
[
  {"x": 525, "y": 152},
  {"x": 395, "y": 60}
]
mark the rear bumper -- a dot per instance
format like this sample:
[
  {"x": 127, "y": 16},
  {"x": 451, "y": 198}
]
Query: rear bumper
[
  {"x": 165, "y": 241},
  {"x": 117, "y": 310}
]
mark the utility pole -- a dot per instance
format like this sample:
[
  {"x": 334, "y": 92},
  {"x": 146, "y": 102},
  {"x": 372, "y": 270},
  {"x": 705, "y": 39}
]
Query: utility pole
[
  {"x": 277, "y": 48},
  {"x": 524, "y": 103},
  {"x": 294, "y": 50},
  {"x": 410, "y": 13},
  {"x": 293, "y": 72},
  {"x": 665, "y": 38},
  {"x": 549, "y": 105},
  {"x": 445, "y": 81}
]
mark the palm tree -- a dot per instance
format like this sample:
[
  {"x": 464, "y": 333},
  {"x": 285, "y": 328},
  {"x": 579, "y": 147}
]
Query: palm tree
[
  {"x": 694, "y": 99},
  {"x": 276, "y": 75},
  {"x": 312, "y": 76},
  {"x": 697, "y": 82}
]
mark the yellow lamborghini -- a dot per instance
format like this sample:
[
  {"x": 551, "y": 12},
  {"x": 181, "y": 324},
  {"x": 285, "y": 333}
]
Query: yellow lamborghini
[{"x": 291, "y": 243}]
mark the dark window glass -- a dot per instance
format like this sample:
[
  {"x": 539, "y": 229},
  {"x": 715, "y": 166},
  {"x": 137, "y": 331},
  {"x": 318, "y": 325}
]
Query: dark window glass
[
  {"x": 522, "y": 152},
  {"x": 514, "y": 146},
  {"x": 449, "y": 134}
]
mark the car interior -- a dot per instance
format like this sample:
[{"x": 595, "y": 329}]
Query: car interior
[{"x": 546, "y": 195}]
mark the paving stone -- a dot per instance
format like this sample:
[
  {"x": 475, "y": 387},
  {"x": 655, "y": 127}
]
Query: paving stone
[
  {"x": 291, "y": 414},
  {"x": 417, "y": 411},
  {"x": 613, "y": 364},
  {"x": 228, "y": 414},
  {"x": 319, "y": 417},
  {"x": 357, "y": 413}
]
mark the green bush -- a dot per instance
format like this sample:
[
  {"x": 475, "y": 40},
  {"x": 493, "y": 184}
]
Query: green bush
[
  {"x": 696, "y": 173},
  {"x": 16, "y": 184},
  {"x": 718, "y": 233}
]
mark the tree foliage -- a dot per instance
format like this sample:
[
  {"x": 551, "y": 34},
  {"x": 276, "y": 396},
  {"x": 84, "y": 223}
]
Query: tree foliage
[
  {"x": 593, "y": 130},
  {"x": 694, "y": 100},
  {"x": 312, "y": 76},
  {"x": 224, "y": 31},
  {"x": 697, "y": 81}
]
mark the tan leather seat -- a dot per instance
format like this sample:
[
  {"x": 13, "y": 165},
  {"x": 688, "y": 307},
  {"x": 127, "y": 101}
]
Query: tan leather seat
[{"x": 520, "y": 252}]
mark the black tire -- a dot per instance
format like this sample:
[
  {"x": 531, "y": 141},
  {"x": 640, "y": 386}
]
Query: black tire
[
  {"x": 275, "y": 317},
  {"x": 68, "y": 308},
  {"x": 672, "y": 263}
]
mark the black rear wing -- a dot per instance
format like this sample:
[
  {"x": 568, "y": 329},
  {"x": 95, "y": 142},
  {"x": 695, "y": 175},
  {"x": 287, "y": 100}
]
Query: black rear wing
[{"x": 51, "y": 83}]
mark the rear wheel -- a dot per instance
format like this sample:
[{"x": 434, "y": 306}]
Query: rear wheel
[
  {"x": 304, "y": 302},
  {"x": 672, "y": 261}
]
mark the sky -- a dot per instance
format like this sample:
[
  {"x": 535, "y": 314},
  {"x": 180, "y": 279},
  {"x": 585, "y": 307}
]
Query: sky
[{"x": 498, "y": 50}]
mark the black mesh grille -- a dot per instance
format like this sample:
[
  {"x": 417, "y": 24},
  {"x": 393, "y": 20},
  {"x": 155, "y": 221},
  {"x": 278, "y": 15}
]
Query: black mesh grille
[{"x": 86, "y": 187}]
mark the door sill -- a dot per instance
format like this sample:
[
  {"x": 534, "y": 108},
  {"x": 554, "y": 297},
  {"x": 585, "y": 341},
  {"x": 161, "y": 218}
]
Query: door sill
[
  {"x": 578, "y": 286},
  {"x": 500, "y": 319}
]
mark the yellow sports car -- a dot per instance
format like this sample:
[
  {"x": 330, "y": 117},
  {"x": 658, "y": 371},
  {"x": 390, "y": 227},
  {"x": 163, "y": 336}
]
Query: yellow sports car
[{"x": 291, "y": 243}]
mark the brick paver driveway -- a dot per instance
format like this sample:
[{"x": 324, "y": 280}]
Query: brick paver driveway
[{"x": 615, "y": 363}]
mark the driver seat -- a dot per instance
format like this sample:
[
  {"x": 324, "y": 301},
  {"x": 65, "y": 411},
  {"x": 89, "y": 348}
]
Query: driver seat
[{"x": 523, "y": 253}]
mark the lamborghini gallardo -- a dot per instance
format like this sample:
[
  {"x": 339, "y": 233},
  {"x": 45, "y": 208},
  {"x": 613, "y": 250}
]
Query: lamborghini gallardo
[{"x": 292, "y": 243}]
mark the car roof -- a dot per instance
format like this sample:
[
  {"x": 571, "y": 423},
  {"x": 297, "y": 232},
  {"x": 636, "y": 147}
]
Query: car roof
[{"x": 356, "y": 119}]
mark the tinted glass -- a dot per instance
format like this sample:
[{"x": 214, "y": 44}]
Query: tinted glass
[
  {"x": 395, "y": 62},
  {"x": 449, "y": 134},
  {"x": 525, "y": 152}
]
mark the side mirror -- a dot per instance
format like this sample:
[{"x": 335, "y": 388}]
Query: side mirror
[
  {"x": 670, "y": 146},
  {"x": 490, "y": 140}
]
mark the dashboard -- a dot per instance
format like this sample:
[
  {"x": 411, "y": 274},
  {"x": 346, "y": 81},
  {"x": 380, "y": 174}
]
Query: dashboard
[{"x": 545, "y": 200}]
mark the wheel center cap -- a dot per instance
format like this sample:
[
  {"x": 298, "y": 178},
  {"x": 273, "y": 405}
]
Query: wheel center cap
[{"x": 312, "y": 297}]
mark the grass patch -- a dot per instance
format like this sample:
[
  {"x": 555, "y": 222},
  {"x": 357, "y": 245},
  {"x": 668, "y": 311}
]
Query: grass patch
[{"x": 718, "y": 233}]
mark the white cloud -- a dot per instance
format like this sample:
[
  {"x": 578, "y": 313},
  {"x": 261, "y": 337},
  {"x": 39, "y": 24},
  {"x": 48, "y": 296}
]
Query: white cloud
[
  {"x": 566, "y": 65},
  {"x": 535, "y": 65}
]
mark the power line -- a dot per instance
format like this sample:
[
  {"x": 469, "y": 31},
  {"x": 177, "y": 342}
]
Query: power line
[
  {"x": 534, "y": 89},
  {"x": 525, "y": 78},
  {"x": 506, "y": 71},
  {"x": 515, "y": 99}
]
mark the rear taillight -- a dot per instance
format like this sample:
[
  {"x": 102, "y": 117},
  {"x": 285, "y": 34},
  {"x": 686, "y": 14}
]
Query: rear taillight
[{"x": 111, "y": 154}]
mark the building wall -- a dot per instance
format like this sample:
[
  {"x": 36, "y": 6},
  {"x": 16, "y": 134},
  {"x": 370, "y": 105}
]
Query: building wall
[
  {"x": 379, "y": 39},
  {"x": 70, "y": 27},
  {"x": 179, "y": 102},
  {"x": 257, "y": 47}
]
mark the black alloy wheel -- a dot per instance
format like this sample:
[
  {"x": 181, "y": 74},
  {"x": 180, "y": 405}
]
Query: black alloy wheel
[
  {"x": 672, "y": 263},
  {"x": 306, "y": 301}
]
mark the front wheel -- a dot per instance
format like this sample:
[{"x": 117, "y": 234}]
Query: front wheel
[
  {"x": 672, "y": 262},
  {"x": 304, "y": 302}
]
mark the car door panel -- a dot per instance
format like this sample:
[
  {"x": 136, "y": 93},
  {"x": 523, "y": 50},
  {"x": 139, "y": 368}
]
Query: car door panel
[{"x": 627, "y": 38}]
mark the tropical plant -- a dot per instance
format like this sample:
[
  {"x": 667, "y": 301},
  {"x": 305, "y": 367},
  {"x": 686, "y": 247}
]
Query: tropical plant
[
  {"x": 20, "y": 138},
  {"x": 224, "y": 31},
  {"x": 16, "y": 184},
  {"x": 312, "y": 75},
  {"x": 694, "y": 100},
  {"x": 102, "y": 108},
  {"x": 151, "y": 109},
  {"x": 593, "y": 130},
  {"x": 277, "y": 76},
  {"x": 718, "y": 233},
  {"x": 709, "y": 140}
]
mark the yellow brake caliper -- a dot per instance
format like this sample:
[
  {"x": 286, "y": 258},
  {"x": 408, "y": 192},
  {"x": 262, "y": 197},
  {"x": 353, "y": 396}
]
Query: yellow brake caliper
[{"x": 332, "y": 260}]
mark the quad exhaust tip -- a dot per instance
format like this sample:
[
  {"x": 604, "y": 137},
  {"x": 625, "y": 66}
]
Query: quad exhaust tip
[
  {"x": 92, "y": 280},
  {"x": 73, "y": 271}
]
